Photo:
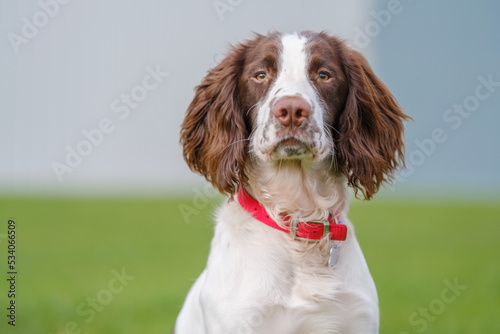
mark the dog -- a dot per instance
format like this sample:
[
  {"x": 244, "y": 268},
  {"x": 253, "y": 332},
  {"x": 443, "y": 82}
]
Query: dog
[{"x": 284, "y": 125}]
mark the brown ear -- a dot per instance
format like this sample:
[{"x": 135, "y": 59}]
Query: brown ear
[
  {"x": 370, "y": 146},
  {"x": 213, "y": 134}
]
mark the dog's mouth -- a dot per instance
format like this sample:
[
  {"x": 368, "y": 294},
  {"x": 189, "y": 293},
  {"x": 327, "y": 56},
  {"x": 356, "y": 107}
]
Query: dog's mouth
[{"x": 292, "y": 148}]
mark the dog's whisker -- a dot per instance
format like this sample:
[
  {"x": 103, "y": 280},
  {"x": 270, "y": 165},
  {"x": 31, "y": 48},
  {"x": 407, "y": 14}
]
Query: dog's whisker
[
  {"x": 333, "y": 128},
  {"x": 231, "y": 144},
  {"x": 252, "y": 107}
]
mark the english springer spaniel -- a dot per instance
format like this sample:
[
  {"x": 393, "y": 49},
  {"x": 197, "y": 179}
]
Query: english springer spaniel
[{"x": 284, "y": 125}]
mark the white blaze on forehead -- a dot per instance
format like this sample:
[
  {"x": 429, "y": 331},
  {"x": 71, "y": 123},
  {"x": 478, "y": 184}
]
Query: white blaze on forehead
[{"x": 293, "y": 59}]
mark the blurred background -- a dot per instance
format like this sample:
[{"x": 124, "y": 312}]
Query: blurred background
[
  {"x": 66, "y": 71},
  {"x": 92, "y": 95}
]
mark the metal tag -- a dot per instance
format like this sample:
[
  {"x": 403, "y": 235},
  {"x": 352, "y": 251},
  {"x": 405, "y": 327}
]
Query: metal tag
[{"x": 334, "y": 254}]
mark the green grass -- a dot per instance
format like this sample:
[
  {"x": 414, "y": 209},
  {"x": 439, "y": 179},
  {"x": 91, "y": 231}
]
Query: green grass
[{"x": 67, "y": 249}]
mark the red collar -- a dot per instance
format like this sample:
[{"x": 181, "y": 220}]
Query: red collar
[{"x": 309, "y": 231}]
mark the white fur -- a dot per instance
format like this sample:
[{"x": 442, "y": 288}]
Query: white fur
[{"x": 259, "y": 279}]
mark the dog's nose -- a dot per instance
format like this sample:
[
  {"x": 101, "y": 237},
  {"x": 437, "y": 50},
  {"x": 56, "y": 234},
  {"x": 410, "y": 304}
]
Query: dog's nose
[{"x": 292, "y": 111}]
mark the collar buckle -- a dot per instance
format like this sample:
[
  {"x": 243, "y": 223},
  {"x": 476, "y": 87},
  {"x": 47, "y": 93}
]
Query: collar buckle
[{"x": 294, "y": 228}]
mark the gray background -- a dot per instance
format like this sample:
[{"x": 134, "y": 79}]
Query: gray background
[{"x": 64, "y": 79}]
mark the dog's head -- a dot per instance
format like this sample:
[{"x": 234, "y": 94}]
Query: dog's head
[{"x": 301, "y": 97}]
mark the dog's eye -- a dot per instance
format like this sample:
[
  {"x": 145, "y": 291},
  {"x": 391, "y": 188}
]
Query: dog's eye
[
  {"x": 261, "y": 76},
  {"x": 323, "y": 76}
]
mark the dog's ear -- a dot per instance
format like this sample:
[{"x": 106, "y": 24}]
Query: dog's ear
[
  {"x": 370, "y": 146},
  {"x": 213, "y": 134}
]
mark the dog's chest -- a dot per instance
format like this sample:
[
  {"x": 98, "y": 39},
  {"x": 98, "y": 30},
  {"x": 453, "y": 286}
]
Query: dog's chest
[
  {"x": 302, "y": 303},
  {"x": 274, "y": 285}
]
